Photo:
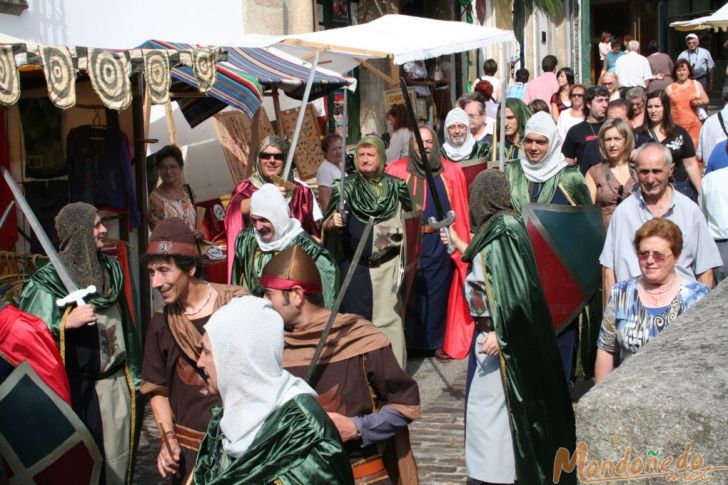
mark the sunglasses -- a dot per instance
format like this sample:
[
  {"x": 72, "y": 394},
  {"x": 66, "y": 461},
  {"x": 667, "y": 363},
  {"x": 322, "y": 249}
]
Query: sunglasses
[
  {"x": 266, "y": 156},
  {"x": 620, "y": 194},
  {"x": 657, "y": 256},
  {"x": 577, "y": 95}
]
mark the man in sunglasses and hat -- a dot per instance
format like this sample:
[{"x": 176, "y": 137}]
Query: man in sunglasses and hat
[{"x": 175, "y": 385}]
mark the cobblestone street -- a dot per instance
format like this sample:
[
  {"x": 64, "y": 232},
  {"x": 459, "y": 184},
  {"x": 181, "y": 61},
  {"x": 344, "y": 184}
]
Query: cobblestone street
[{"x": 437, "y": 438}]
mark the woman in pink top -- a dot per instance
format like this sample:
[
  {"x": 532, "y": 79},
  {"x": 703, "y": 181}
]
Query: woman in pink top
[{"x": 686, "y": 94}]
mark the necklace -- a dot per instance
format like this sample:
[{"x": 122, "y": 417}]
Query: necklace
[
  {"x": 207, "y": 300},
  {"x": 656, "y": 294}
]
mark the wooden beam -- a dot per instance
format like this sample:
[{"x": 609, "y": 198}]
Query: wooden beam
[
  {"x": 171, "y": 127},
  {"x": 328, "y": 47},
  {"x": 277, "y": 108},
  {"x": 389, "y": 80}
]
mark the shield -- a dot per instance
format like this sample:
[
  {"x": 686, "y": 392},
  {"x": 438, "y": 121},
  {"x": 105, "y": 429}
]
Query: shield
[
  {"x": 471, "y": 168},
  {"x": 42, "y": 440},
  {"x": 566, "y": 242},
  {"x": 412, "y": 247}
]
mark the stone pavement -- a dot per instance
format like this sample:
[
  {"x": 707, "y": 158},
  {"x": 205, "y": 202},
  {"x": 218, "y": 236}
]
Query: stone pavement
[{"x": 437, "y": 438}]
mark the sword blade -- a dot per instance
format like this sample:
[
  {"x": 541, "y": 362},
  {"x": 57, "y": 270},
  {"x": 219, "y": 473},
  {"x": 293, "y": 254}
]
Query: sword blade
[
  {"x": 48, "y": 247},
  {"x": 340, "y": 298},
  {"x": 421, "y": 147},
  {"x": 301, "y": 114}
]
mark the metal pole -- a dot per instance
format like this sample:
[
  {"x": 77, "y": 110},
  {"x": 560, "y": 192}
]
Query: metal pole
[{"x": 301, "y": 114}]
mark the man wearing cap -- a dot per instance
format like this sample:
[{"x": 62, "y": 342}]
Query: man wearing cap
[
  {"x": 273, "y": 230},
  {"x": 270, "y": 428},
  {"x": 370, "y": 399},
  {"x": 176, "y": 387},
  {"x": 98, "y": 343},
  {"x": 700, "y": 60}
]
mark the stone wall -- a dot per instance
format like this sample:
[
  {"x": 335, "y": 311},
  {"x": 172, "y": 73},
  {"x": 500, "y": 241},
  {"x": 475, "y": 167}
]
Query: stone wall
[{"x": 668, "y": 400}]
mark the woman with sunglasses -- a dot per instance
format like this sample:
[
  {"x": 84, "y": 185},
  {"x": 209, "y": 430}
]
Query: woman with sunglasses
[
  {"x": 575, "y": 114},
  {"x": 612, "y": 180},
  {"x": 269, "y": 164},
  {"x": 642, "y": 307},
  {"x": 661, "y": 128}
]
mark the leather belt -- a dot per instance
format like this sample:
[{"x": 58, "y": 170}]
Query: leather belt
[
  {"x": 86, "y": 376},
  {"x": 369, "y": 470},
  {"x": 376, "y": 261},
  {"x": 188, "y": 438},
  {"x": 483, "y": 324},
  {"x": 428, "y": 229}
]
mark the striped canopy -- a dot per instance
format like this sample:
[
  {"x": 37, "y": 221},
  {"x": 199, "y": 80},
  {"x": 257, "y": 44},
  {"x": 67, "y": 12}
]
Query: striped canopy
[{"x": 242, "y": 79}]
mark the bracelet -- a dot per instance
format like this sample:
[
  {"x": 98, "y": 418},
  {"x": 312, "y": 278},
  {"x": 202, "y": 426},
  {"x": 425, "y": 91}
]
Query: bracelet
[{"x": 171, "y": 434}]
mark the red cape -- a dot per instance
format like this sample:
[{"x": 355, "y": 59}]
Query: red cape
[
  {"x": 459, "y": 326},
  {"x": 301, "y": 205},
  {"x": 26, "y": 337}
]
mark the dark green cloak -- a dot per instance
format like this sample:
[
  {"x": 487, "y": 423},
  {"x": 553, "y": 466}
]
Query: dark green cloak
[
  {"x": 250, "y": 260},
  {"x": 569, "y": 179},
  {"x": 366, "y": 198},
  {"x": 481, "y": 149},
  {"x": 297, "y": 444},
  {"x": 541, "y": 415}
]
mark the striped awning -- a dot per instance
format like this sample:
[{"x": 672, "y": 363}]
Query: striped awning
[{"x": 242, "y": 79}]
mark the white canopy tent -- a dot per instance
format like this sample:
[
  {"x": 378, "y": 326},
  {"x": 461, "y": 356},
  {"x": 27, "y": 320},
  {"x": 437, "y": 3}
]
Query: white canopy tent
[
  {"x": 717, "y": 21},
  {"x": 401, "y": 38}
]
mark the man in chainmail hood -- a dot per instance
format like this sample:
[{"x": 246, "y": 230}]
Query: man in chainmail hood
[{"x": 97, "y": 340}]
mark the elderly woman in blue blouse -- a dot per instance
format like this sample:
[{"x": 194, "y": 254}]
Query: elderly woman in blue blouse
[{"x": 641, "y": 307}]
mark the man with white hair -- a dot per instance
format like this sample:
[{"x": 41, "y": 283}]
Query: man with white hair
[
  {"x": 460, "y": 145},
  {"x": 272, "y": 230},
  {"x": 700, "y": 60},
  {"x": 270, "y": 428},
  {"x": 633, "y": 69},
  {"x": 657, "y": 198}
]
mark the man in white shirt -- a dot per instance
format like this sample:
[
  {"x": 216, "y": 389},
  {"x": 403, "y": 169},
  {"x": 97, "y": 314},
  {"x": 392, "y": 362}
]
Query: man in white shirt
[
  {"x": 714, "y": 202},
  {"x": 714, "y": 130},
  {"x": 633, "y": 69},
  {"x": 490, "y": 68},
  {"x": 474, "y": 106}
]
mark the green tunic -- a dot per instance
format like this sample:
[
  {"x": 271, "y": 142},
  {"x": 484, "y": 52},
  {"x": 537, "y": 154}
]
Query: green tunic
[
  {"x": 541, "y": 415},
  {"x": 250, "y": 261},
  {"x": 117, "y": 362},
  {"x": 297, "y": 444}
]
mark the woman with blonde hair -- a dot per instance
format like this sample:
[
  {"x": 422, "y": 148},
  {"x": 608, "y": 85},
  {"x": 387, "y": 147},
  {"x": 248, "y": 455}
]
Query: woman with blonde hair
[
  {"x": 612, "y": 180},
  {"x": 609, "y": 81}
]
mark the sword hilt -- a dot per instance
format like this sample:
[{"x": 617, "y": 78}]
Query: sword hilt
[
  {"x": 445, "y": 223},
  {"x": 77, "y": 297}
]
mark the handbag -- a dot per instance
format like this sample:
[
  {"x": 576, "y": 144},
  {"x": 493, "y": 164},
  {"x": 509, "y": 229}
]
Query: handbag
[{"x": 699, "y": 110}]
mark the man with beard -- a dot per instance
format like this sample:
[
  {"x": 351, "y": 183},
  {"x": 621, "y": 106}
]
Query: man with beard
[
  {"x": 437, "y": 318},
  {"x": 270, "y": 429},
  {"x": 370, "y": 399},
  {"x": 170, "y": 377},
  {"x": 460, "y": 146},
  {"x": 273, "y": 230},
  {"x": 97, "y": 340}
]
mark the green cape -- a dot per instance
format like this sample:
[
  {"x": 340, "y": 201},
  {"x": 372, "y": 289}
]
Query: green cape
[
  {"x": 481, "y": 149},
  {"x": 39, "y": 298},
  {"x": 250, "y": 260},
  {"x": 362, "y": 201},
  {"x": 297, "y": 444},
  {"x": 569, "y": 178},
  {"x": 541, "y": 415}
]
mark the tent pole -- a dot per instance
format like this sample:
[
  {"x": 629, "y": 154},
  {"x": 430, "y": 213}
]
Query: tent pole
[
  {"x": 171, "y": 127},
  {"x": 301, "y": 114},
  {"x": 277, "y": 109},
  {"x": 140, "y": 174},
  {"x": 254, "y": 140}
]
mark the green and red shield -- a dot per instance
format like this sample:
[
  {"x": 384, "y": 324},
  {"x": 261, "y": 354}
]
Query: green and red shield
[
  {"x": 566, "y": 242},
  {"x": 42, "y": 441}
]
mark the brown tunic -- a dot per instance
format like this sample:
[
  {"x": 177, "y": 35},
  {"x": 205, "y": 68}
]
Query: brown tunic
[
  {"x": 360, "y": 385},
  {"x": 609, "y": 191},
  {"x": 168, "y": 367}
]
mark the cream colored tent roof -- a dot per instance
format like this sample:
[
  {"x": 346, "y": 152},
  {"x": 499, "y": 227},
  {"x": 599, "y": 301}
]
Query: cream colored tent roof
[{"x": 717, "y": 21}]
